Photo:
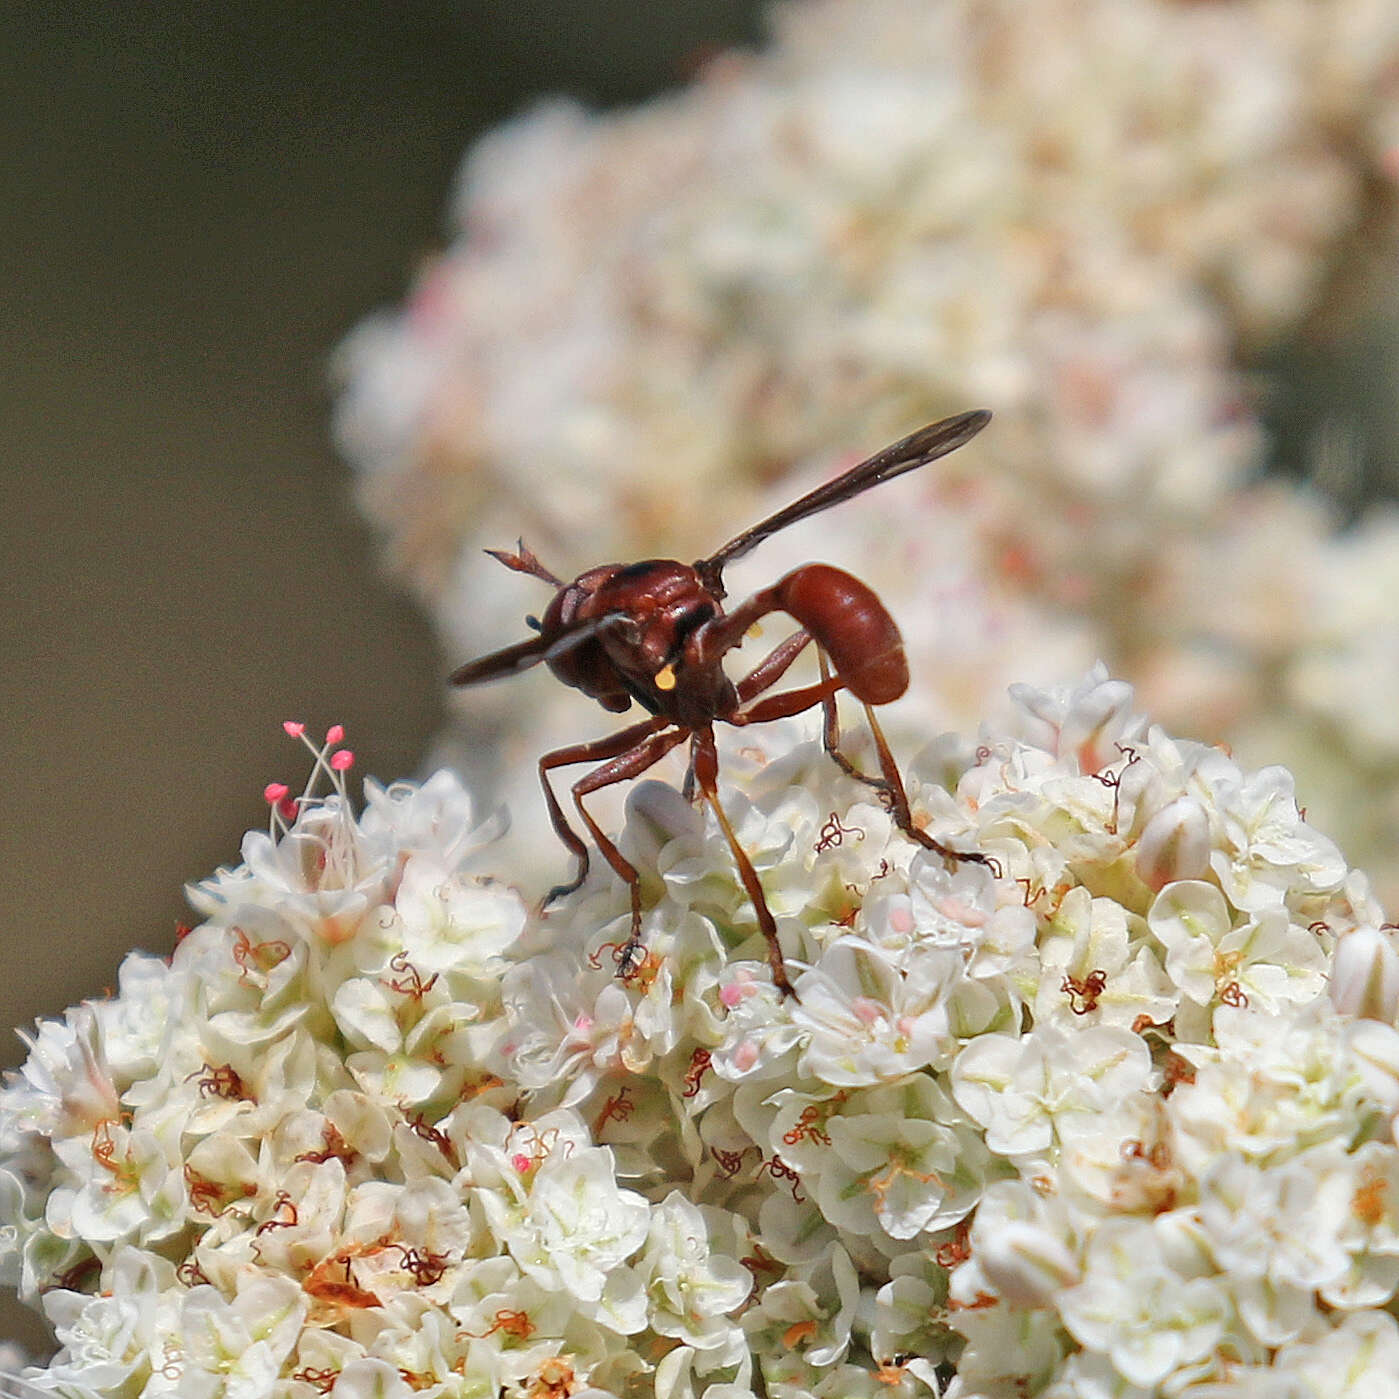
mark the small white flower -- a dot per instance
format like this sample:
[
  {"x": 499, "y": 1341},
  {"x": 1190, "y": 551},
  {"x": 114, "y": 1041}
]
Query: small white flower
[
  {"x": 434, "y": 817},
  {"x": 1038, "y": 1092},
  {"x": 451, "y": 922},
  {"x": 896, "y": 1160},
  {"x": 1091, "y": 969},
  {"x": 577, "y": 1227},
  {"x": 1369, "y": 1230},
  {"x": 1022, "y": 1247},
  {"x": 239, "y": 1344},
  {"x": 866, "y": 1017},
  {"x": 111, "y": 1339},
  {"x": 1277, "y": 1232},
  {"x": 1213, "y": 954},
  {"x": 1269, "y": 847},
  {"x": 691, "y": 1289},
  {"x": 64, "y": 1086},
  {"x": 1083, "y": 725},
  {"x": 1272, "y": 1086},
  {"x": 1134, "y": 1308},
  {"x": 1359, "y": 1356},
  {"x": 319, "y": 875}
]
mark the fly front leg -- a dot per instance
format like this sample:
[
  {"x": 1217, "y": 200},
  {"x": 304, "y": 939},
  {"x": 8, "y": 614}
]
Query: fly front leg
[
  {"x": 592, "y": 752},
  {"x": 773, "y": 666},
  {"x": 632, "y": 763},
  {"x": 763, "y": 676},
  {"x": 704, "y": 761}
]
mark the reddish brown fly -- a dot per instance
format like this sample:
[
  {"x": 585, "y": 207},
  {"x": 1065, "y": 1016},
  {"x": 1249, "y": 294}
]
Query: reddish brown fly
[{"x": 656, "y": 633}]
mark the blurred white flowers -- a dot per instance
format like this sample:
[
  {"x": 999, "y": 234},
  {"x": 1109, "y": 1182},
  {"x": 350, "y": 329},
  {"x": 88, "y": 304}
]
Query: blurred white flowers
[
  {"x": 1077, "y": 1128},
  {"x": 650, "y": 326}
]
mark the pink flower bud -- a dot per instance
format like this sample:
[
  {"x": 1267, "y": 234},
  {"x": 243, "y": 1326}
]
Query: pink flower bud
[
  {"x": 1365, "y": 975},
  {"x": 1175, "y": 844}
]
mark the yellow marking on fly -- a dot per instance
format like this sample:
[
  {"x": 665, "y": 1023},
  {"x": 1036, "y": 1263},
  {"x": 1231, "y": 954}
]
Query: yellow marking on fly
[
  {"x": 753, "y": 632},
  {"x": 665, "y": 678}
]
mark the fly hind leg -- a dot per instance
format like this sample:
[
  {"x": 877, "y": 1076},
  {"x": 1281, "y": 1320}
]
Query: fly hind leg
[
  {"x": 888, "y": 784},
  {"x": 830, "y": 741},
  {"x": 891, "y": 787}
]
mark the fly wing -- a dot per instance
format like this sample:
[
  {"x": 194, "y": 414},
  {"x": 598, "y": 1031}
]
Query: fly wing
[
  {"x": 510, "y": 660},
  {"x": 908, "y": 454}
]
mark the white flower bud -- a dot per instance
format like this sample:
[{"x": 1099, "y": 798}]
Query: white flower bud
[
  {"x": 1365, "y": 975},
  {"x": 658, "y": 814},
  {"x": 1027, "y": 1266},
  {"x": 1175, "y": 844},
  {"x": 1374, "y": 1050}
]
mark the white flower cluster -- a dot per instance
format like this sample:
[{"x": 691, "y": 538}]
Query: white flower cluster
[
  {"x": 1069, "y": 211},
  {"x": 1086, "y": 1124}
]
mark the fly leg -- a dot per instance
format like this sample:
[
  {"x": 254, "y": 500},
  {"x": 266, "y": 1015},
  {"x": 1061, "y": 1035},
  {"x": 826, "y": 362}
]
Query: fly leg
[
  {"x": 628, "y": 764},
  {"x": 765, "y": 674},
  {"x": 704, "y": 759},
  {"x": 595, "y": 751},
  {"x": 891, "y": 785},
  {"x": 830, "y": 741},
  {"x": 888, "y": 784}
]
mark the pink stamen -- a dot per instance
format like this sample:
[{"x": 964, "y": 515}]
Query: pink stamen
[
  {"x": 521, "y": 1162},
  {"x": 274, "y": 792},
  {"x": 286, "y": 808},
  {"x": 335, "y": 733},
  {"x": 343, "y": 760},
  {"x": 294, "y": 729}
]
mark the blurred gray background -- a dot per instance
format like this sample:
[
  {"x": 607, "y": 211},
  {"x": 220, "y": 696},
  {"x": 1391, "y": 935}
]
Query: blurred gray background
[{"x": 196, "y": 203}]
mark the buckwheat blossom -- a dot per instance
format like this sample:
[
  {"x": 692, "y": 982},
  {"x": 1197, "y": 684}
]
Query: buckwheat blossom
[
  {"x": 651, "y": 325},
  {"x": 1068, "y": 1126}
]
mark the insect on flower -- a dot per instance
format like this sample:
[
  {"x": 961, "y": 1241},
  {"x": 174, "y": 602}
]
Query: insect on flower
[{"x": 656, "y": 633}]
